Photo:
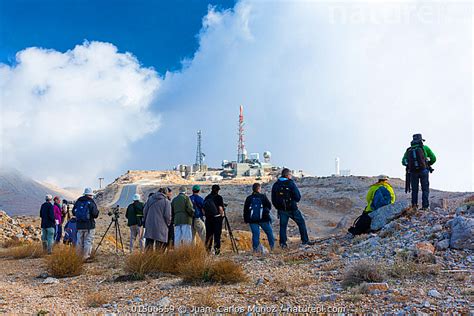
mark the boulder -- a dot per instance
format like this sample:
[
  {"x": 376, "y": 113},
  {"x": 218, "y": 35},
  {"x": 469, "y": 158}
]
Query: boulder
[
  {"x": 386, "y": 214},
  {"x": 443, "y": 244},
  {"x": 462, "y": 233}
]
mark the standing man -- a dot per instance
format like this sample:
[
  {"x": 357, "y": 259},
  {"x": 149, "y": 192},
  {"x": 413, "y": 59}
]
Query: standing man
[
  {"x": 418, "y": 159},
  {"x": 85, "y": 210},
  {"x": 156, "y": 221},
  {"x": 183, "y": 213},
  {"x": 47, "y": 224},
  {"x": 285, "y": 198},
  {"x": 214, "y": 211},
  {"x": 198, "y": 219},
  {"x": 134, "y": 217},
  {"x": 257, "y": 214}
]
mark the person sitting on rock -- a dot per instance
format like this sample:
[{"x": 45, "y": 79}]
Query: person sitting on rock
[{"x": 380, "y": 194}]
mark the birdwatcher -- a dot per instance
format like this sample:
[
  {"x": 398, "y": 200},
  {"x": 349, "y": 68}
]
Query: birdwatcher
[
  {"x": 156, "y": 221},
  {"x": 183, "y": 213},
  {"x": 285, "y": 198},
  {"x": 380, "y": 194},
  {"x": 418, "y": 160},
  {"x": 257, "y": 214},
  {"x": 134, "y": 217},
  {"x": 214, "y": 210},
  {"x": 47, "y": 224},
  {"x": 199, "y": 228},
  {"x": 85, "y": 210}
]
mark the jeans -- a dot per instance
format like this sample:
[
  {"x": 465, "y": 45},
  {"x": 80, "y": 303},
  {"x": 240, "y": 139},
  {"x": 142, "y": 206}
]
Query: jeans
[
  {"x": 199, "y": 228},
  {"x": 182, "y": 234},
  {"x": 297, "y": 217},
  {"x": 267, "y": 228},
  {"x": 85, "y": 239},
  {"x": 151, "y": 244},
  {"x": 214, "y": 232},
  {"x": 415, "y": 179},
  {"x": 47, "y": 238},
  {"x": 58, "y": 232},
  {"x": 134, "y": 234}
]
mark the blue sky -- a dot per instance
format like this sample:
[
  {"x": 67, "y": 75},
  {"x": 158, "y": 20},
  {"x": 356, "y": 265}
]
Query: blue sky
[
  {"x": 159, "y": 33},
  {"x": 317, "y": 80}
]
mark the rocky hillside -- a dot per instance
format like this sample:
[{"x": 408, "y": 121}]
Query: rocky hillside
[{"x": 21, "y": 195}]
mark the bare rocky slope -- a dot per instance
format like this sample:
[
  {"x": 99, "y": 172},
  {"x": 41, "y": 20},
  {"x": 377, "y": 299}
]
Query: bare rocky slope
[
  {"x": 21, "y": 195},
  {"x": 418, "y": 262}
]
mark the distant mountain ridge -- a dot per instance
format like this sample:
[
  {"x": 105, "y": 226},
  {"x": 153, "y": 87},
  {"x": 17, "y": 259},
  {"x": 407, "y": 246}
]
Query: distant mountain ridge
[{"x": 21, "y": 195}]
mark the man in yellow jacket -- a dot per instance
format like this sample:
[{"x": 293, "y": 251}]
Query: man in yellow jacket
[{"x": 380, "y": 194}]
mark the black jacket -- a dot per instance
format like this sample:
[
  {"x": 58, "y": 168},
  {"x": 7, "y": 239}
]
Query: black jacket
[
  {"x": 134, "y": 213},
  {"x": 294, "y": 195},
  {"x": 267, "y": 206},
  {"x": 47, "y": 215},
  {"x": 93, "y": 211}
]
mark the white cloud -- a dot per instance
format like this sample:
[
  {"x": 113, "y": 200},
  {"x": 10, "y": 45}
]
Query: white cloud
[
  {"x": 68, "y": 117},
  {"x": 317, "y": 83}
]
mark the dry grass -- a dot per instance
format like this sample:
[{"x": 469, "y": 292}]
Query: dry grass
[
  {"x": 23, "y": 251},
  {"x": 226, "y": 271},
  {"x": 190, "y": 262},
  {"x": 96, "y": 299},
  {"x": 206, "y": 298},
  {"x": 13, "y": 242},
  {"x": 406, "y": 267},
  {"x": 64, "y": 262},
  {"x": 363, "y": 271}
]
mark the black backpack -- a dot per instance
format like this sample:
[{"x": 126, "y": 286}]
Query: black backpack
[
  {"x": 416, "y": 159},
  {"x": 284, "y": 195},
  {"x": 361, "y": 225},
  {"x": 210, "y": 208}
]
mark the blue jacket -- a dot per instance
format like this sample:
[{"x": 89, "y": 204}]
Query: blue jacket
[
  {"x": 198, "y": 203},
  {"x": 93, "y": 211},
  {"x": 47, "y": 215},
  {"x": 294, "y": 195}
]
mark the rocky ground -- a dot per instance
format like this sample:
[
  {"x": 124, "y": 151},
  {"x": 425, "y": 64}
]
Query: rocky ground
[{"x": 424, "y": 263}]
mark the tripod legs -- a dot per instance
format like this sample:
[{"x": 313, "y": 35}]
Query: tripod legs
[
  {"x": 231, "y": 236},
  {"x": 118, "y": 236},
  {"x": 102, "y": 239}
]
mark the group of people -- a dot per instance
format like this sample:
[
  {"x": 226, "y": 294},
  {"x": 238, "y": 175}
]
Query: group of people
[{"x": 165, "y": 221}]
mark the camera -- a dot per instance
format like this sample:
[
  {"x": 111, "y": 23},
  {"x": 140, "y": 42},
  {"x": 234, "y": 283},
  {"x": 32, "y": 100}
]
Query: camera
[{"x": 114, "y": 212}]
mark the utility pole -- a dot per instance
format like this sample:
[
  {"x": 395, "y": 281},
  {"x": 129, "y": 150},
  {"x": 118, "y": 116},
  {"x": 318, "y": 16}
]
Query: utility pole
[
  {"x": 100, "y": 182},
  {"x": 241, "y": 151}
]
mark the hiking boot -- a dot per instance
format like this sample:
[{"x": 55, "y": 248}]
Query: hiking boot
[
  {"x": 217, "y": 251},
  {"x": 425, "y": 208},
  {"x": 284, "y": 246},
  {"x": 414, "y": 207},
  {"x": 308, "y": 243}
]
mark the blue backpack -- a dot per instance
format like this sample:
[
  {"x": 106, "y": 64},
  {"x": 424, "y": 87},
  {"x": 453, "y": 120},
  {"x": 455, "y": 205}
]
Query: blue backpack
[
  {"x": 256, "y": 209},
  {"x": 382, "y": 197},
  {"x": 70, "y": 232},
  {"x": 82, "y": 211}
]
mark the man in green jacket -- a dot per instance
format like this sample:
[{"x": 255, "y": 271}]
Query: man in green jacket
[
  {"x": 183, "y": 213},
  {"x": 134, "y": 217},
  {"x": 418, "y": 159}
]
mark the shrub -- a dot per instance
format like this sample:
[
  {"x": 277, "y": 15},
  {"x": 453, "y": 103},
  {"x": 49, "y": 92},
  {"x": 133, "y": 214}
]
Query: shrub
[
  {"x": 13, "y": 242},
  {"x": 226, "y": 271},
  {"x": 96, "y": 299},
  {"x": 172, "y": 260},
  {"x": 141, "y": 263},
  {"x": 27, "y": 250},
  {"x": 404, "y": 268},
  {"x": 363, "y": 271},
  {"x": 64, "y": 262}
]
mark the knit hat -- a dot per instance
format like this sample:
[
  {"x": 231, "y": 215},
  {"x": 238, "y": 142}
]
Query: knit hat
[
  {"x": 418, "y": 138},
  {"x": 48, "y": 197},
  {"x": 182, "y": 189}
]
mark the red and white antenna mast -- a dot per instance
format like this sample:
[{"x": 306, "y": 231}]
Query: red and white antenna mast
[{"x": 241, "y": 151}]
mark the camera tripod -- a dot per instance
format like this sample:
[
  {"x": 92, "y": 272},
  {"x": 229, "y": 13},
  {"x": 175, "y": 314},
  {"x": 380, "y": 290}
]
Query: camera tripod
[
  {"x": 118, "y": 235},
  {"x": 231, "y": 235}
]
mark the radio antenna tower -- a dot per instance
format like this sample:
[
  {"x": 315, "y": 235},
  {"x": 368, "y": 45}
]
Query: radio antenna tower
[
  {"x": 199, "y": 154},
  {"x": 241, "y": 151}
]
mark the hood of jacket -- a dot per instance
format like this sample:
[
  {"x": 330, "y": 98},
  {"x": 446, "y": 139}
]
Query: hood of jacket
[{"x": 156, "y": 197}]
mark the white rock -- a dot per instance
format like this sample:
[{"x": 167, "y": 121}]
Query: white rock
[
  {"x": 50, "y": 280},
  {"x": 434, "y": 293}
]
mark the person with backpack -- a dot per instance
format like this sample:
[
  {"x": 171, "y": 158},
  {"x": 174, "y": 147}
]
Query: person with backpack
[
  {"x": 198, "y": 227},
  {"x": 285, "y": 198},
  {"x": 156, "y": 221},
  {"x": 70, "y": 232},
  {"x": 214, "y": 209},
  {"x": 47, "y": 224},
  {"x": 85, "y": 210},
  {"x": 183, "y": 213},
  {"x": 379, "y": 194},
  {"x": 134, "y": 215},
  {"x": 58, "y": 219},
  {"x": 418, "y": 159},
  {"x": 257, "y": 214}
]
